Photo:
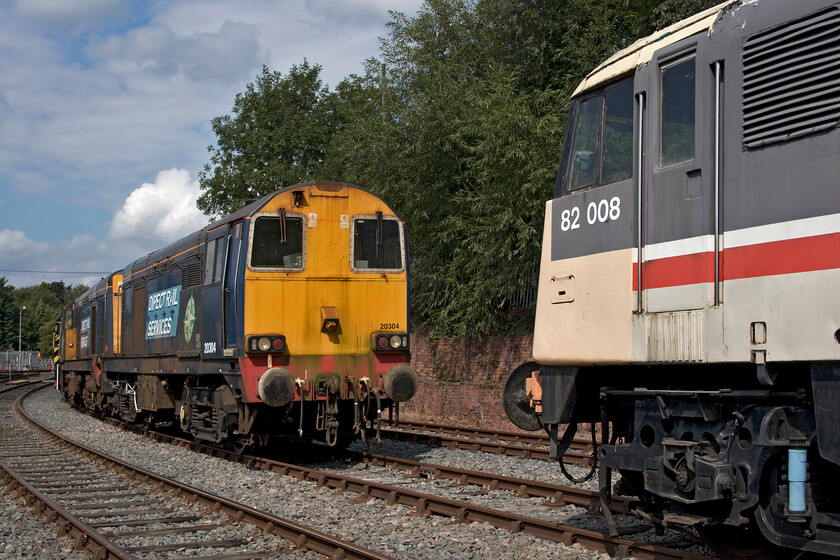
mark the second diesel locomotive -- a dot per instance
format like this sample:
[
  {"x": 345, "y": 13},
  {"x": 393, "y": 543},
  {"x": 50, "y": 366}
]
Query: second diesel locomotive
[
  {"x": 287, "y": 318},
  {"x": 688, "y": 295}
]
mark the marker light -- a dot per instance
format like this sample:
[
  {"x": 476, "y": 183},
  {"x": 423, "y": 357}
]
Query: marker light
[
  {"x": 266, "y": 344},
  {"x": 389, "y": 342}
]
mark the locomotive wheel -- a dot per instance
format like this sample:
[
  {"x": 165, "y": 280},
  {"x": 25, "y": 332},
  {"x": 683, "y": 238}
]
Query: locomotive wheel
[
  {"x": 516, "y": 401},
  {"x": 243, "y": 446}
]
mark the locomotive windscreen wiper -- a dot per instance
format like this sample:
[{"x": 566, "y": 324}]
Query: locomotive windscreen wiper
[
  {"x": 379, "y": 242},
  {"x": 282, "y": 225}
]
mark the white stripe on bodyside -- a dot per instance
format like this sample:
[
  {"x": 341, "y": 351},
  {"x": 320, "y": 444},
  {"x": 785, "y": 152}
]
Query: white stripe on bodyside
[
  {"x": 781, "y": 231},
  {"x": 688, "y": 246}
]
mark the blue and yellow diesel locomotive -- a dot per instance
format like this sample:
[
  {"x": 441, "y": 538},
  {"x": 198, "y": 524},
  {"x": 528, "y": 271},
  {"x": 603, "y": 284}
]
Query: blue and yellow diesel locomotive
[
  {"x": 288, "y": 318},
  {"x": 688, "y": 294}
]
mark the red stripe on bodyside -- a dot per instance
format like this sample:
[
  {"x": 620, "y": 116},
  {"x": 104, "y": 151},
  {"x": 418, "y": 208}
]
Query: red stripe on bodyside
[{"x": 804, "y": 254}]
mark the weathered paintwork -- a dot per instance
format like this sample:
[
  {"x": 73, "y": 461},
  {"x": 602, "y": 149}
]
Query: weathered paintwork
[{"x": 185, "y": 313}]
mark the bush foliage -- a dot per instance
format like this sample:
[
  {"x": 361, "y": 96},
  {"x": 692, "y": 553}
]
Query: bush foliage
[{"x": 458, "y": 124}]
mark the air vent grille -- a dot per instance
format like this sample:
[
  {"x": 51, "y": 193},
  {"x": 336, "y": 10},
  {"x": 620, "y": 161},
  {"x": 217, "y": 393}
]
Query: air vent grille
[
  {"x": 191, "y": 275},
  {"x": 792, "y": 79}
]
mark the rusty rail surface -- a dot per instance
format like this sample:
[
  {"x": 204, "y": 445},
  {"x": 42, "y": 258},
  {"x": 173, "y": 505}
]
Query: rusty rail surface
[
  {"x": 428, "y": 504},
  {"x": 85, "y": 535},
  {"x": 529, "y": 438},
  {"x": 583, "y": 458},
  {"x": 555, "y": 495}
]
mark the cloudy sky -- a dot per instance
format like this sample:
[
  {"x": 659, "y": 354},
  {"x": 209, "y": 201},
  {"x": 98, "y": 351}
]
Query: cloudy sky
[{"x": 105, "y": 109}]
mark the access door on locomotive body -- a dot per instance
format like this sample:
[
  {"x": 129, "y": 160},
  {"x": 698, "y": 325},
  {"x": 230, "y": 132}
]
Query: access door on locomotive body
[
  {"x": 706, "y": 245},
  {"x": 223, "y": 263}
]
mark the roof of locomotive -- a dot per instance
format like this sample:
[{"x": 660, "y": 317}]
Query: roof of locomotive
[
  {"x": 255, "y": 204},
  {"x": 641, "y": 52},
  {"x": 192, "y": 240}
]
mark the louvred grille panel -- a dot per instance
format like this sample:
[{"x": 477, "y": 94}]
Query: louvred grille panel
[{"x": 792, "y": 79}]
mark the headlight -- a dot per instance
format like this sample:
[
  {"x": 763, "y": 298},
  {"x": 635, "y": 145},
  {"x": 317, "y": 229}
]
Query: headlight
[
  {"x": 267, "y": 344},
  {"x": 389, "y": 342}
]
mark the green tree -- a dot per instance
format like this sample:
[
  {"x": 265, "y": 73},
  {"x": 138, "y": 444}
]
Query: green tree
[
  {"x": 30, "y": 313},
  {"x": 458, "y": 124},
  {"x": 275, "y": 137},
  {"x": 8, "y": 316}
]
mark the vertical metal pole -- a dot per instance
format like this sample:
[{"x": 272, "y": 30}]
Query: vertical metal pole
[
  {"x": 20, "y": 323},
  {"x": 640, "y": 100},
  {"x": 717, "y": 182}
]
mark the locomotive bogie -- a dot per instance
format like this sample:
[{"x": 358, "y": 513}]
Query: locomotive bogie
[{"x": 267, "y": 313}]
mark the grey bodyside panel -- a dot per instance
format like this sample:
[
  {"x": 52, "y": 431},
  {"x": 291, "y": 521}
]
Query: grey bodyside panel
[
  {"x": 779, "y": 182},
  {"x": 578, "y": 229}
]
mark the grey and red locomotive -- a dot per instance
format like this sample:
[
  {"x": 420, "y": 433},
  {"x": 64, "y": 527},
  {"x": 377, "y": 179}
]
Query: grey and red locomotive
[{"x": 688, "y": 299}]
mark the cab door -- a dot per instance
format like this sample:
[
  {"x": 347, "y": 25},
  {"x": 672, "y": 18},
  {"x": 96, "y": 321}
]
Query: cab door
[
  {"x": 211, "y": 316},
  {"x": 677, "y": 195},
  {"x": 233, "y": 291}
]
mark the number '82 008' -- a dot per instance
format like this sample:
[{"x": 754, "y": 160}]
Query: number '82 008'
[{"x": 598, "y": 212}]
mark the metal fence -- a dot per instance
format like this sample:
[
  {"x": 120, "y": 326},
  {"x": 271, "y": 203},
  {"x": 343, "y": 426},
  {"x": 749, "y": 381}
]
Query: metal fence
[{"x": 12, "y": 360}]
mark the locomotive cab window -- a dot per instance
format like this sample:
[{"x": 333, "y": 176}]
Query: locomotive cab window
[
  {"x": 377, "y": 244},
  {"x": 602, "y": 138},
  {"x": 677, "y": 113},
  {"x": 277, "y": 242},
  {"x": 215, "y": 260}
]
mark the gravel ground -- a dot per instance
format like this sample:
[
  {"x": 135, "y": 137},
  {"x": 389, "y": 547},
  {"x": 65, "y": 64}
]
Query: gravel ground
[
  {"x": 392, "y": 530},
  {"x": 22, "y": 537}
]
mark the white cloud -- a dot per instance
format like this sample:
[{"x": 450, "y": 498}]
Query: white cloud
[
  {"x": 152, "y": 216},
  {"x": 14, "y": 244},
  {"x": 72, "y": 16},
  {"x": 51, "y": 262},
  {"x": 162, "y": 212},
  {"x": 230, "y": 53},
  {"x": 98, "y": 96}
]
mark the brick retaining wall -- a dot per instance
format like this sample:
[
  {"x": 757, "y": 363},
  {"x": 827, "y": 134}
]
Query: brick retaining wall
[{"x": 461, "y": 379}]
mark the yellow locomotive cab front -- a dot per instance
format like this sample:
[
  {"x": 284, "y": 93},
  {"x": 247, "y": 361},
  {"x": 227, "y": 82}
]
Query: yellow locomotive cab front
[{"x": 326, "y": 271}]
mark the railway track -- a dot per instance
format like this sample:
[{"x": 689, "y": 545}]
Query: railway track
[
  {"x": 501, "y": 443},
  {"x": 430, "y": 504},
  {"x": 522, "y": 438},
  {"x": 116, "y": 510},
  {"x": 555, "y": 495}
]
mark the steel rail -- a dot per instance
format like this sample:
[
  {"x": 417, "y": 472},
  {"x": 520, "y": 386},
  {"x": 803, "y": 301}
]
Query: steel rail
[
  {"x": 301, "y": 536},
  {"x": 530, "y": 438},
  {"x": 428, "y": 504},
  {"x": 495, "y": 447},
  {"x": 556, "y": 495},
  {"x": 84, "y": 537},
  {"x": 467, "y": 513}
]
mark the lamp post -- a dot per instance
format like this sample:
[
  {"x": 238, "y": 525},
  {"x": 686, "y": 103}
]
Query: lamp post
[{"x": 20, "y": 323}]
